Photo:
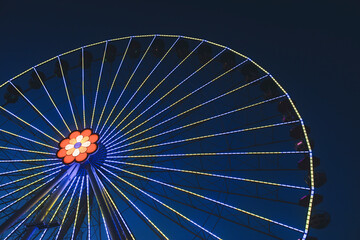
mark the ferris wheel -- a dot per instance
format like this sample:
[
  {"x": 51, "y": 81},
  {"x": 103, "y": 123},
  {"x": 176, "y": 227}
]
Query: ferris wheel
[{"x": 154, "y": 137}]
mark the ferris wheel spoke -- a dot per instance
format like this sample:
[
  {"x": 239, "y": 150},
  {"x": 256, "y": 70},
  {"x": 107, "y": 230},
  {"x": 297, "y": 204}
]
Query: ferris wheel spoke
[
  {"x": 98, "y": 85},
  {"x": 105, "y": 226},
  {"x": 116, "y": 75},
  {"x": 51, "y": 99},
  {"x": 37, "y": 110},
  {"x": 83, "y": 86},
  {"x": 193, "y": 123},
  {"x": 162, "y": 81},
  {"x": 188, "y": 125},
  {"x": 167, "y": 52},
  {"x": 27, "y": 139},
  {"x": 207, "y": 154},
  {"x": 28, "y": 169},
  {"x": 208, "y": 174},
  {"x": 25, "y": 195},
  {"x": 115, "y": 223},
  {"x": 26, "y": 150},
  {"x": 130, "y": 78},
  {"x": 211, "y": 213},
  {"x": 207, "y": 198},
  {"x": 163, "y": 204},
  {"x": 28, "y": 124},
  {"x": 134, "y": 206},
  {"x": 58, "y": 207},
  {"x": 77, "y": 209},
  {"x": 187, "y": 111},
  {"x": 169, "y": 92},
  {"x": 29, "y": 215},
  {"x": 117, "y": 116},
  {"x": 88, "y": 208},
  {"x": 112, "y": 149},
  {"x": 138, "y": 89},
  {"x": 14, "y": 143},
  {"x": 174, "y": 220},
  {"x": 111, "y": 88},
  {"x": 113, "y": 205},
  {"x": 67, "y": 208},
  {"x": 67, "y": 93},
  {"x": 26, "y": 186},
  {"x": 31, "y": 176},
  {"x": 178, "y": 101},
  {"x": 28, "y": 160}
]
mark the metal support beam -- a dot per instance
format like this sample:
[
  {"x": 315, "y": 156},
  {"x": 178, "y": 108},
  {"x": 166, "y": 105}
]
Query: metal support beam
[
  {"x": 71, "y": 218},
  {"x": 40, "y": 194},
  {"x": 83, "y": 213},
  {"x": 71, "y": 173},
  {"x": 117, "y": 228}
]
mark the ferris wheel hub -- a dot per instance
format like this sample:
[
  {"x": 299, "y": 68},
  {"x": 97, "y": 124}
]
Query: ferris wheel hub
[{"x": 78, "y": 146}]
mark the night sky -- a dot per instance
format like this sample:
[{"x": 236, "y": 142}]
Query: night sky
[{"x": 310, "y": 47}]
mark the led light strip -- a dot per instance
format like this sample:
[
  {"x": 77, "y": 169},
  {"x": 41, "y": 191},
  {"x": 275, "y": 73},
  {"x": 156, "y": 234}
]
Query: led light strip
[
  {"x": 111, "y": 88},
  {"x": 111, "y": 150},
  {"x": 58, "y": 207},
  {"x": 67, "y": 92},
  {"x": 206, "y": 198},
  {"x": 67, "y": 209},
  {"x": 207, "y": 154},
  {"x": 26, "y": 150},
  {"x": 37, "y": 110},
  {"x": 98, "y": 85},
  {"x": 27, "y": 139},
  {"x": 130, "y": 78},
  {"x": 162, "y": 97},
  {"x": 51, "y": 99},
  {"x": 28, "y": 124},
  {"x": 31, "y": 213},
  {"x": 179, "y": 64},
  {"x": 163, "y": 204},
  {"x": 114, "y": 186},
  {"x": 209, "y": 174}
]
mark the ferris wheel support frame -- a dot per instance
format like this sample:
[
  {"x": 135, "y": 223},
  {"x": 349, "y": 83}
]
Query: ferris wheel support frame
[
  {"x": 70, "y": 172},
  {"x": 52, "y": 200},
  {"x": 115, "y": 224}
]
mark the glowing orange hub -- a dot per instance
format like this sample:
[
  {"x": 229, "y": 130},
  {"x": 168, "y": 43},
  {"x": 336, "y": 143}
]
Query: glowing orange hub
[{"x": 78, "y": 146}]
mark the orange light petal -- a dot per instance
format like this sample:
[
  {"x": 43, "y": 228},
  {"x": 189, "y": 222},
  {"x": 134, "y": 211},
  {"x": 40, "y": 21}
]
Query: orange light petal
[
  {"x": 64, "y": 142},
  {"x": 68, "y": 159},
  {"x": 93, "y": 138},
  {"x": 86, "y": 132},
  {"x": 82, "y": 149},
  {"x": 61, "y": 153},
  {"x": 86, "y": 138},
  {"x": 69, "y": 152},
  {"x": 74, "y": 134},
  {"x": 72, "y": 141},
  {"x": 81, "y": 157},
  {"x": 92, "y": 148}
]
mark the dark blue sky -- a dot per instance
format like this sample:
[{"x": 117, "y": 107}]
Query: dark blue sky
[{"x": 310, "y": 47}]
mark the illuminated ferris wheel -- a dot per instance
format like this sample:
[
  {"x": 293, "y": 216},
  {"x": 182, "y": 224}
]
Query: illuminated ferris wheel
[{"x": 154, "y": 137}]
